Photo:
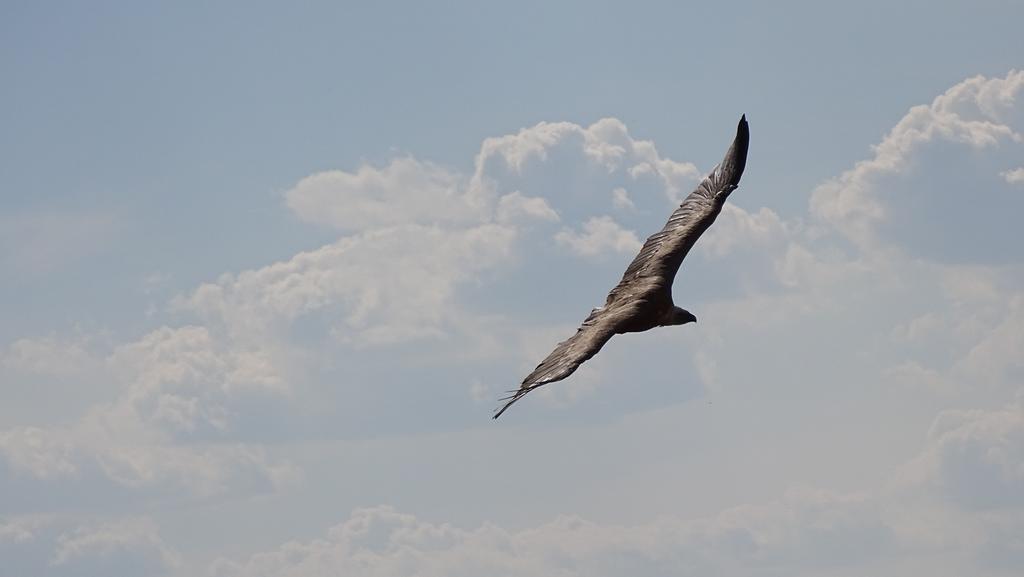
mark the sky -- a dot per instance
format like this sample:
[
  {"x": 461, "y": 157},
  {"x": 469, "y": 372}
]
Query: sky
[{"x": 268, "y": 268}]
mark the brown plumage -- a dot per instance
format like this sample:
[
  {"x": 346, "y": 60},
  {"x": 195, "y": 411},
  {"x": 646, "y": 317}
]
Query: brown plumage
[{"x": 643, "y": 298}]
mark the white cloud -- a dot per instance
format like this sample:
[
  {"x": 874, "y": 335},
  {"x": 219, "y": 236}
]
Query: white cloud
[
  {"x": 425, "y": 231},
  {"x": 600, "y": 235},
  {"x": 707, "y": 369},
  {"x": 621, "y": 200},
  {"x": 805, "y": 533},
  {"x": 515, "y": 206},
  {"x": 404, "y": 192},
  {"x": 137, "y": 539},
  {"x": 970, "y": 343},
  {"x": 45, "y": 545},
  {"x": 180, "y": 378},
  {"x": 947, "y": 511},
  {"x": 974, "y": 458},
  {"x": 39, "y": 452},
  {"x": 604, "y": 148},
  {"x": 606, "y": 142},
  {"x": 918, "y": 329},
  {"x": 1015, "y": 176},
  {"x": 914, "y": 374},
  {"x": 21, "y": 529},
  {"x": 954, "y": 326},
  {"x": 410, "y": 191},
  {"x": 410, "y": 273},
  {"x": 115, "y": 447},
  {"x": 971, "y": 285},
  {"x": 736, "y": 228},
  {"x": 51, "y": 356},
  {"x": 998, "y": 353},
  {"x": 422, "y": 233},
  {"x": 176, "y": 384},
  {"x": 383, "y": 286},
  {"x": 972, "y": 113}
]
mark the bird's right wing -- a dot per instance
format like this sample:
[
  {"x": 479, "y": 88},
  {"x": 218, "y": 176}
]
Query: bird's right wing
[
  {"x": 569, "y": 354},
  {"x": 664, "y": 250}
]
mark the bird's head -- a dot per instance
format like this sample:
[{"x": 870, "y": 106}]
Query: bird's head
[{"x": 681, "y": 317}]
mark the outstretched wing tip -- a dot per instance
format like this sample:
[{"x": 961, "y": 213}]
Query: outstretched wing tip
[
  {"x": 736, "y": 157},
  {"x": 743, "y": 129},
  {"x": 515, "y": 396}
]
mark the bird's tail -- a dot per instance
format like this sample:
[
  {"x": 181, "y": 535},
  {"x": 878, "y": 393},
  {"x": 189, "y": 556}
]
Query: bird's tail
[{"x": 515, "y": 396}]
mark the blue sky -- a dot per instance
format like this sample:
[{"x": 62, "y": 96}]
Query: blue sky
[{"x": 269, "y": 268}]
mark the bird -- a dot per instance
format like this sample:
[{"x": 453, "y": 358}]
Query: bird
[{"x": 642, "y": 300}]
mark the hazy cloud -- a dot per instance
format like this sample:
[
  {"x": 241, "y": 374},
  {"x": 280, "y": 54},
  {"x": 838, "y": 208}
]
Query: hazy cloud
[
  {"x": 51, "y": 356},
  {"x": 600, "y": 235},
  {"x": 1015, "y": 176},
  {"x": 54, "y": 545},
  {"x": 41, "y": 241}
]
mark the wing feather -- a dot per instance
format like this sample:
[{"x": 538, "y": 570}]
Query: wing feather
[
  {"x": 569, "y": 354},
  {"x": 665, "y": 250}
]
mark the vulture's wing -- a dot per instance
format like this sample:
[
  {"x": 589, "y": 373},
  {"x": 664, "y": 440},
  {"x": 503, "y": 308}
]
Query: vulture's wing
[
  {"x": 571, "y": 353},
  {"x": 664, "y": 251}
]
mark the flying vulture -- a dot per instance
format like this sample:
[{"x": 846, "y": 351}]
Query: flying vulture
[{"x": 643, "y": 298}]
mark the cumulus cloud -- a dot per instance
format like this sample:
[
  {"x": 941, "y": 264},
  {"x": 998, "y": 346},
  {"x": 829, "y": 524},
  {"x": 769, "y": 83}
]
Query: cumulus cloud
[
  {"x": 38, "y": 452},
  {"x": 422, "y": 231},
  {"x": 384, "y": 286},
  {"x": 416, "y": 235},
  {"x": 975, "y": 458},
  {"x": 920, "y": 263},
  {"x": 599, "y": 235},
  {"x": 137, "y": 539},
  {"x": 120, "y": 450},
  {"x": 405, "y": 191},
  {"x": 21, "y": 529},
  {"x": 621, "y": 199},
  {"x": 176, "y": 385},
  {"x": 15, "y": 530},
  {"x": 564, "y": 162},
  {"x": 51, "y": 356},
  {"x": 807, "y": 532},
  {"x": 410, "y": 191},
  {"x": 606, "y": 143},
  {"x": 188, "y": 363},
  {"x": 976, "y": 113},
  {"x": 951, "y": 509},
  {"x": 407, "y": 271},
  {"x": 970, "y": 342},
  {"x": 46, "y": 545},
  {"x": 736, "y": 227},
  {"x": 515, "y": 206},
  {"x": 995, "y": 357}
]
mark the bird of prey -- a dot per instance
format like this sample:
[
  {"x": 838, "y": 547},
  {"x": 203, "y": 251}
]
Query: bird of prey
[{"x": 643, "y": 298}]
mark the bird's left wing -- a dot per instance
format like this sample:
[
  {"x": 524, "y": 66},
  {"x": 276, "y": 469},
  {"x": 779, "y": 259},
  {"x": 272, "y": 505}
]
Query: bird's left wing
[{"x": 570, "y": 353}]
